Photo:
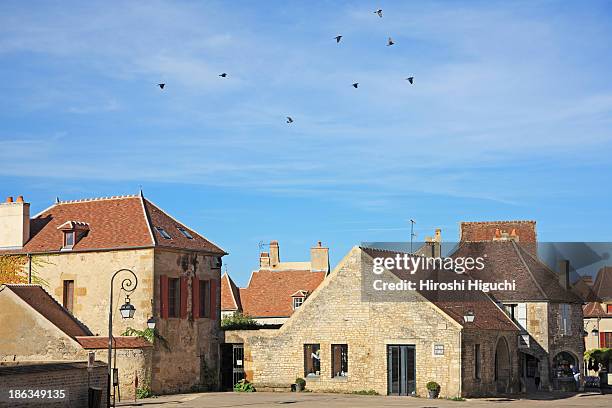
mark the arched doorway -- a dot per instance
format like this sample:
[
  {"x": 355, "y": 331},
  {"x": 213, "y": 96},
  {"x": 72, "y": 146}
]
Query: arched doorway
[
  {"x": 502, "y": 366},
  {"x": 562, "y": 362}
]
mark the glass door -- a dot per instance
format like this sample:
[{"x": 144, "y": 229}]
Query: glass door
[{"x": 401, "y": 370}]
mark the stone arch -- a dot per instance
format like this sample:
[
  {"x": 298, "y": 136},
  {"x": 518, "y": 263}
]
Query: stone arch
[
  {"x": 503, "y": 366},
  {"x": 562, "y": 361}
]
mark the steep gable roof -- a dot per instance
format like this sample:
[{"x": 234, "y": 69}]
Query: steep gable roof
[
  {"x": 455, "y": 304},
  {"x": 594, "y": 309},
  {"x": 509, "y": 260},
  {"x": 41, "y": 301},
  {"x": 603, "y": 284},
  {"x": 119, "y": 222}
]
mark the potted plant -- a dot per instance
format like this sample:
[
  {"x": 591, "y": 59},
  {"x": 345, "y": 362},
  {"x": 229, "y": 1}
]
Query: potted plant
[
  {"x": 300, "y": 384},
  {"x": 433, "y": 388}
]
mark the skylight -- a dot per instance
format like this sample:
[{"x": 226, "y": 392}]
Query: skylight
[
  {"x": 163, "y": 233},
  {"x": 184, "y": 232}
]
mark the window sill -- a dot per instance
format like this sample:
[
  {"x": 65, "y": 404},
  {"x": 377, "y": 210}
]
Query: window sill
[
  {"x": 340, "y": 378},
  {"x": 313, "y": 377}
]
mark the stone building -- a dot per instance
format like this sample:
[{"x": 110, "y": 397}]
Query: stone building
[
  {"x": 74, "y": 247},
  {"x": 543, "y": 305},
  {"x": 283, "y": 285},
  {"x": 345, "y": 338},
  {"x": 598, "y": 312}
]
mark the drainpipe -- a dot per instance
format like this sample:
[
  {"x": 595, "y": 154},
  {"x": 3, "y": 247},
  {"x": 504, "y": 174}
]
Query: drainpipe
[
  {"x": 460, "y": 363},
  {"x": 30, "y": 269}
]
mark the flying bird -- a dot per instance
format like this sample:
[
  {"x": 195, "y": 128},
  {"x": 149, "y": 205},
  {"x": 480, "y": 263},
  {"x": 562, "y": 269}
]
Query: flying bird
[
  {"x": 223, "y": 75},
  {"x": 289, "y": 119},
  {"x": 410, "y": 79},
  {"x": 161, "y": 86},
  {"x": 379, "y": 12},
  {"x": 390, "y": 42},
  {"x": 338, "y": 38},
  {"x": 356, "y": 84}
]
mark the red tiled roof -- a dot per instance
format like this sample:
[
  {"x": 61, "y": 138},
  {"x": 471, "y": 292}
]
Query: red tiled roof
[
  {"x": 113, "y": 223},
  {"x": 603, "y": 284},
  {"x": 43, "y": 303},
  {"x": 230, "y": 297},
  {"x": 119, "y": 342},
  {"x": 269, "y": 292},
  {"x": 455, "y": 304},
  {"x": 594, "y": 309}
]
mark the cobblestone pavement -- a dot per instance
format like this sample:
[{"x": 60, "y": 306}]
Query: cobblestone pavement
[{"x": 302, "y": 400}]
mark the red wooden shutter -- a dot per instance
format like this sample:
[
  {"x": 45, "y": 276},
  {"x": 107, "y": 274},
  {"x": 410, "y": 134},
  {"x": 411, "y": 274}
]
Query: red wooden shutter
[
  {"x": 602, "y": 340},
  {"x": 183, "y": 297},
  {"x": 213, "y": 299},
  {"x": 163, "y": 296},
  {"x": 195, "y": 297}
]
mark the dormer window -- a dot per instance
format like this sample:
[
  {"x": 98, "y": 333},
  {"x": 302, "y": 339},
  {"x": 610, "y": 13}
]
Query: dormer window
[
  {"x": 163, "y": 233},
  {"x": 185, "y": 232},
  {"x": 73, "y": 231},
  {"x": 298, "y": 298}
]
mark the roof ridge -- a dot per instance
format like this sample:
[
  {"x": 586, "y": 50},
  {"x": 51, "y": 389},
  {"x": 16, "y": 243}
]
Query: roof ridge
[
  {"x": 147, "y": 218},
  {"x": 518, "y": 252},
  {"x": 87, "y": 200},
  {"x": 500, "y": 221},
  {"x": 232, "y": 286}
]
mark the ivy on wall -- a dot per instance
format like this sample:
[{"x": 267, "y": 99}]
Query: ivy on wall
[{"x": 14, "y": 269}]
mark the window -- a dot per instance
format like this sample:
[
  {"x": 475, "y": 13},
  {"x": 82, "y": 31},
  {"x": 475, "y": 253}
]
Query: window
[
  {"x": 312, "y": 360},
  {"x": 163, "y": 233},
  {"x": 185, "y": 232},
  {"x": 297, "y": 302},
  {"x": 477, "y": 361},
  {"x": 339, "y": 360},
  {"x": 438, "y": 349},
  {"x": 174, "y": 297},
  {"x": 518, "y": 313},
  {"x": 609, "y": 309},
  {"x": 68, "y": 298},
  {"x": 205, "y": 298},
  {"x": 606, "y": 340},
  {"x": 69, "y": 239},
  {"x": 565, "y": 319}
]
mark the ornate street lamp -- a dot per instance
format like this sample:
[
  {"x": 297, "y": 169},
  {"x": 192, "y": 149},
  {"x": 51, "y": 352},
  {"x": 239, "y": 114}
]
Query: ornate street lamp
[
  {"x": 468, "y": 317},
  {"x": 595, "y": 332},
  {"x": 151, "y": 323},
  {"x": 127, "y": 312}
]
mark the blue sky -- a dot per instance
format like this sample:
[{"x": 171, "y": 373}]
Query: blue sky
[{"x": 510, "y": 116}]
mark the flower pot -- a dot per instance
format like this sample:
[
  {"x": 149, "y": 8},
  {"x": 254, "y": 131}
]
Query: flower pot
[{"x": 433, "y": 394}]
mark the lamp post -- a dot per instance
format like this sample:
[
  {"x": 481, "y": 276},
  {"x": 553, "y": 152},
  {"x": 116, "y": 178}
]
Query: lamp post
[
  {"x": 468, "y": 317},
  {"x": 127, "y": 311}
]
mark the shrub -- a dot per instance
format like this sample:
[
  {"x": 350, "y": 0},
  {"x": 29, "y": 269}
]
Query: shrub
[
  {"x": 365, "y": 392},
  {"x": 244, "y": 386},
  {"x": 238, "y": 321},
  {"x": 597, "y": 356},
  {"x": 300, "y": 381},
  {"x": 433, "y": 386},
  {"x": 143, "y": 392}
]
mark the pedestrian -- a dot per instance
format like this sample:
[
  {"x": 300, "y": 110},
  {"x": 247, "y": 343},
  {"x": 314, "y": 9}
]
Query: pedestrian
[{"x": 576, "y": 375}]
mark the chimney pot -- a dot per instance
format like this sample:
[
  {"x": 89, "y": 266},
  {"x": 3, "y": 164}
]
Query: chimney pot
[
  {"x": 20, "y": 199},
  {"x": 320, "y": 244},
  {"x": 9, "y": 199}
]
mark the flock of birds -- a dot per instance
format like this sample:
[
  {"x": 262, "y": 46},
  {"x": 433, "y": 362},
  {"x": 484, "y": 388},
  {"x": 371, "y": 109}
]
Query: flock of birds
[{"x": 338, "y": 38}]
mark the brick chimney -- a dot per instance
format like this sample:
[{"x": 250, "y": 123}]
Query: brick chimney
[
  {"x": 274, "y": 253},
  {"x": 14, "y": 223},
  {"x": 319, "y": 258},
  {"x": 264, "y": 260},
  {"x": 564, "y": 274}
]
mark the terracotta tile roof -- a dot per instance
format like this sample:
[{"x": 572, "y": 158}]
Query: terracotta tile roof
[
  {"x": 112, "y": 223},
  {"x": 510, "y": 260},
  {"x": 230, "y": 295},
  {"x": 455, "y": 304},
  {"x": 269, "y": 292},
  {"x": 119, "y": 342},
  {"x": 43, "y": 303},
  {"x": 603, "y": 284},
  {"x": 594, "y": 309}
]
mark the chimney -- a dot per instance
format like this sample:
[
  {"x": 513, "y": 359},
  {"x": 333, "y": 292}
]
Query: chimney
[
  {"x": 319, "y": 258},
  {"x": 14, "y": 223},
  {"x": 564, "y": 274},
  {"x": 274, "y": 254},
  {"x": 434, "y": 244},
  {"x": 264, "y": 260}
]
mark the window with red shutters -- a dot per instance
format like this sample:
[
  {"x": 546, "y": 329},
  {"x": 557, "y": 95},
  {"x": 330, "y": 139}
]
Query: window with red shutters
[
  {"x": 174, "y": 297},
  {"x": 163, "y": 296},
  {"x": 204, "y": 298},
  {"x": 605, "y": 340},
  {"x": 195, "y": 297}
]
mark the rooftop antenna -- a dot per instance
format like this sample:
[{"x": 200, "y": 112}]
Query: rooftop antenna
[
  {"x": 412, "y": 234},
  {"x": 262, "y": 245}
]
